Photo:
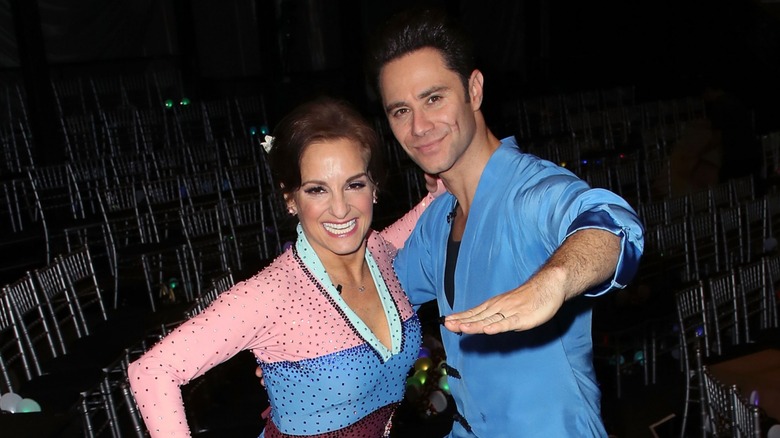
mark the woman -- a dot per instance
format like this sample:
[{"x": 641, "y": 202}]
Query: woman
[{"x": 328, "y": 321}]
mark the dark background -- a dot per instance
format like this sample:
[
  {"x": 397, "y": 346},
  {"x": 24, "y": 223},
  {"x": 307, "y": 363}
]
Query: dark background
[{"x": 290, "y": 50}]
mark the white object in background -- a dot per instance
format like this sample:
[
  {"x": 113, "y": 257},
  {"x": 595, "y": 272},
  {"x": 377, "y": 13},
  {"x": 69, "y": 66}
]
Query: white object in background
[
  {"x": 9, "y": 401},
  {"x": 438, "y": 401}
]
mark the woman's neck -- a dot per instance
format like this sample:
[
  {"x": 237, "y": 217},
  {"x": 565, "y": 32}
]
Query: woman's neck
[{"x": 346, "y": 268}]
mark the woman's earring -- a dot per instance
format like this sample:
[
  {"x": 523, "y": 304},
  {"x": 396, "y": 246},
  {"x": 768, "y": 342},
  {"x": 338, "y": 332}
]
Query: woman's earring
[
  {"x": 291, "y": 211},
  {"x": 375, "y": 198}
]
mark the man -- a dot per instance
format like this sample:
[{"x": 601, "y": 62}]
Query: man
[{"x": 511, "y": 251}]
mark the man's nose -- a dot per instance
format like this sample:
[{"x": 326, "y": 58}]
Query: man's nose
[{"x": 421, "y": 124}]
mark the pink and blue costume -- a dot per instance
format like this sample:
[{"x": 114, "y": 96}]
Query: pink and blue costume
[{"x": 326, "y": 373}]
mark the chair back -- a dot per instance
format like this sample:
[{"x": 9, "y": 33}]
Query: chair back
[
  {"x": 59, "y": 303},
  {"x": 32, "y": 324},
  {"x": 80, "y": 276},
  {"x": 754, "y": 298},
  {"x": 724, "y": 307},
  {"x": 747, "y": 417},
  {"x": 719, "y": 405},
  {"x": 693, "y": 321},
  {"x": 14, "y": 364}
]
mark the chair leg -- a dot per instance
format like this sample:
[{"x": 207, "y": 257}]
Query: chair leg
[
  {"x": 109, "y": 406},
  {"x": 135, "y": 416},
  {"x": 181, "y": 259},
  {"x": 87, "y": 425},
  {"x": 149, "y": 281}
]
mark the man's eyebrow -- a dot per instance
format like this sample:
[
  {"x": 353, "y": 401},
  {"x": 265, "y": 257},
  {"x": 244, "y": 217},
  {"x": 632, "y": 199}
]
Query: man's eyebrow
[
  {"x": 393, "y": 106},
  {"x": 432, "y": 90},
  {"x": 423, "y": 95}
]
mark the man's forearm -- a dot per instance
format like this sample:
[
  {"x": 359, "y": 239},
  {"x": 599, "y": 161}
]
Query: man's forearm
[{"x": 586, "y": 259}]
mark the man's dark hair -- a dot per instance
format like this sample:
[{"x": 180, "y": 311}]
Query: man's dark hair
[{"x": 415, "y": 29}]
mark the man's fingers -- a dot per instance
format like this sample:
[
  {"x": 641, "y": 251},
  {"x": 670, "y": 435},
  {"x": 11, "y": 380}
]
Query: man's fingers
[
  {"x": 473, "y": 314},
  {"x": 478, "y": 323}
]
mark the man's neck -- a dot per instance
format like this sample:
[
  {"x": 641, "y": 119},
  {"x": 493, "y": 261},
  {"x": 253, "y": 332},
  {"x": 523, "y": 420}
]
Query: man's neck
[{"x": 462, "y": 179}]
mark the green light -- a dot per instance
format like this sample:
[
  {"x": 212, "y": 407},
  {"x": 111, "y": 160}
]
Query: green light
[
  {"x": 421, "y": 376},
  {"x": 184, "y": 101},
  {"x": 413, "y": 382},
  {"x": 28, "y": 405},
  {"x": 264, "y": 130},
  {"x": 168, "y": 103},
  {"x": 444, "y": 385},
  {"x": 252, "y": 130},
  {"x": 173, "y": 282}
]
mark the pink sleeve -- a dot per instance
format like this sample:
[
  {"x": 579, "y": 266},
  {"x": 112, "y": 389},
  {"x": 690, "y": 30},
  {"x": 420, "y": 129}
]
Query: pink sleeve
[
  {"x": 201, "y": 343},
  {"x": 397, "y": 232}
]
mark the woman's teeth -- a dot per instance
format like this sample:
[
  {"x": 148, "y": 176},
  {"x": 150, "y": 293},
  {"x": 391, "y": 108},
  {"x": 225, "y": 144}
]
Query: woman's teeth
[{"x": 340, "y": 228}]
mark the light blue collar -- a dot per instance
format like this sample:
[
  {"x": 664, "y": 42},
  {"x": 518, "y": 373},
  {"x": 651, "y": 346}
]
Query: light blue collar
[{"x": 317, "y": 269}]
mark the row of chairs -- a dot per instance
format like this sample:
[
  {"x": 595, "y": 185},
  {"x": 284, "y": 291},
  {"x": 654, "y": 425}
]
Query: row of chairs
[
  {"x": 735, "y": 305},
  {"x": 699, "y": 238},
  {"x": 603, "y": 114},
  {"x": 163, "y": 233},
  {"x": 132, "y": 130},
  {"x": 75, "y": 178},
  {"x": 688, "y": 238},
  {"x": 56, "y": 335},
  {"x": 116, "y": 378},
  {"x": 79, "y": 95},
  {"x": 726, "y": 411},
  {"x": 730, "y": 309},
  {"x": 62, "y": 202},
  {"x": 85, "y": 94},
  {"x": 722, "y": 195},
  {"x": 59, "y": 347},
  {"x": 639, "y": 177}
]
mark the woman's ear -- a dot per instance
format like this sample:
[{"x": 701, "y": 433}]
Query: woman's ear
[{"x": 292, "y": 208}]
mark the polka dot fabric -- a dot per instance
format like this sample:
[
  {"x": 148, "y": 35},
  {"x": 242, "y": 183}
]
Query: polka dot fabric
[{"x": 322, "y": 376}]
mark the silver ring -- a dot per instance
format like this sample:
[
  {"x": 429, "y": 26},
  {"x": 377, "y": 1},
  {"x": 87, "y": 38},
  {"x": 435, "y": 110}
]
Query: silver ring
[{"x": 502, "y": 315}]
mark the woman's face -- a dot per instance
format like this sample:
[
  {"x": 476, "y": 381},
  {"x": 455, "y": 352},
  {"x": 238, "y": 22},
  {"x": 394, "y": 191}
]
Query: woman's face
[{"x": 335, "y": 201}]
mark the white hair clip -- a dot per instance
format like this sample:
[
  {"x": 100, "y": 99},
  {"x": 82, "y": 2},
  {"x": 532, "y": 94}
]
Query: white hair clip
[{"x": 268, "y": 143}]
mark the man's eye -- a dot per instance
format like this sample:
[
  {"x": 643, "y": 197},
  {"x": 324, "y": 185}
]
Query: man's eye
[
  {"x": 400, "y": 112},
  {"x": 434, "y": 99}
]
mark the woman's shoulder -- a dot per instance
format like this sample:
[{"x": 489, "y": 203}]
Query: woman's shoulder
[
  {"x": 282, "y": 270},
  {"x": 377, "y": 243}
]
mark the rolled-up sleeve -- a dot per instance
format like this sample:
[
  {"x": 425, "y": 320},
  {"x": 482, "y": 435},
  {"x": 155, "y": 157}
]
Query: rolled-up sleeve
[{"x": 624, "y": 223}]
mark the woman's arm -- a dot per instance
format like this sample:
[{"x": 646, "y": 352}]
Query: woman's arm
[
  {"x": 397, "y": 232},
  {"x": 199, "y": 344}
]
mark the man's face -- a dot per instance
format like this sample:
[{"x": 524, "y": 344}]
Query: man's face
[{"x": 428, "y": 109}]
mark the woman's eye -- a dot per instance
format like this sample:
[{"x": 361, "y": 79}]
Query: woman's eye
[
  {"x": 314, "y": 190},
  {"x": 357, "y": 185}
]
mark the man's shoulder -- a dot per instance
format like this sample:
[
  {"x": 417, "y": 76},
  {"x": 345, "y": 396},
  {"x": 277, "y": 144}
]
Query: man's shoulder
[
  {"x": 437, "y": 212},
  {"x": 511, "y": 153}
]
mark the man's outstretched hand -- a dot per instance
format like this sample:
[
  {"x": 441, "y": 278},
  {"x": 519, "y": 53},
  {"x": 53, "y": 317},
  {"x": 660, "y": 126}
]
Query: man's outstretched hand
[{"x": 520, "y": 309}]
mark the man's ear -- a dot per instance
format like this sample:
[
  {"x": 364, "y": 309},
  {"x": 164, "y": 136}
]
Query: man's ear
[{"x": 476, "y": 82}]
